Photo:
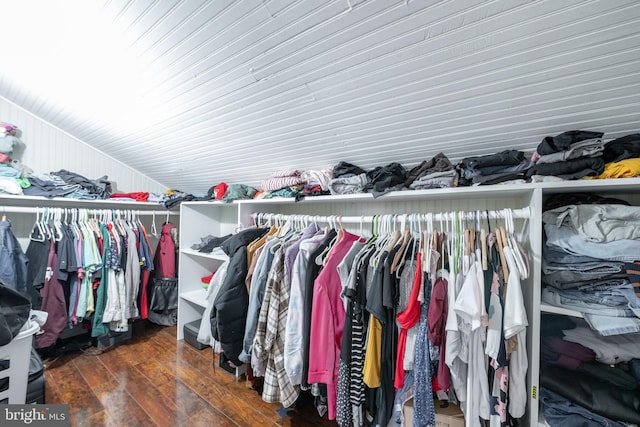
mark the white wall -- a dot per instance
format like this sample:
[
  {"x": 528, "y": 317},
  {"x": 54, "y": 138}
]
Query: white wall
[{"x": 49, "y": 149}]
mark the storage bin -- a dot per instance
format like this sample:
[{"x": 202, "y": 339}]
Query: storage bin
[
  {"x": 191, "y": 334},
  {"x": 16, "y": 357}
]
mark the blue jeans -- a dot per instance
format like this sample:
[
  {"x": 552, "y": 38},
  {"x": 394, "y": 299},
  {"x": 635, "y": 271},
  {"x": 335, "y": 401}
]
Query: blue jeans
[
  {"x": 568, "y": 240},
  {"x": 584, "y": 303},
  {"x": 598, "y": 223},
  {"x": 553, "y": 256},
  {"x": 596, "y": 267},
  {"x": 573, "y": 279},
  {"x": 560, "y": 412},
  {"x": 609, "y": 325}
]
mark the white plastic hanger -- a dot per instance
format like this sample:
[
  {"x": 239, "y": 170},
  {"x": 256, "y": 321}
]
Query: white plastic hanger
[
  {"x": 37, "y": 233},
  {"x": 516, "y": 248},
  {"x": 154, "y": 230}
]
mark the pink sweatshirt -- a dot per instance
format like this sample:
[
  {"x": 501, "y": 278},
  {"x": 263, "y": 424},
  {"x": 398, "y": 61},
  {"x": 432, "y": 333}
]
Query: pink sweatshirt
[{"x": 327, "y": 322}]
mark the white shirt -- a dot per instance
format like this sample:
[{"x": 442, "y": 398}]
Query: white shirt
[
  {"x": 293, "y": 329},
  {"x": 204, "y": 333},
  {"x": 468, "y": 306},
  {"x": 515, "y": 324}
]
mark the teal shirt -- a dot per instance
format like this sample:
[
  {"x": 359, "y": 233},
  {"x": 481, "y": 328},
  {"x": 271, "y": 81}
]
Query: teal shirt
[{"x": 100, "y": 328}]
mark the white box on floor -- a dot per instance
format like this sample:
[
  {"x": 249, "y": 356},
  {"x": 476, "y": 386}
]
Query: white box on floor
[{"x": 450, "y": 416}]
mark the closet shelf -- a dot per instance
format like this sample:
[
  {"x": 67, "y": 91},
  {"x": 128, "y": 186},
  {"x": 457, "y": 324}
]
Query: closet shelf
[
  {"x": 591, "y": 185},
  {"x": 455, "y": 193},
  {"x": 548, "y": 308},
  {"x": 62, "y": 202},
  {"x": 192, "y": 252},
  {"x": 460, "y": 193},
  {"x": 197, "y": 297}
]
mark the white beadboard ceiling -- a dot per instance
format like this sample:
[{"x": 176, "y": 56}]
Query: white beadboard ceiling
[{"x": 191, "y": 93}]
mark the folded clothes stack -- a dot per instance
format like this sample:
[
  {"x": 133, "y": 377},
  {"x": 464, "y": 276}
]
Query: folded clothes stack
[
  {"x": 590, "y": 264},
  {"x": 437, "y": 172},
  {"x": 506, "y": 166},
  {"x": 570, "y": 155},
  {"x": 588, "y": 379}
]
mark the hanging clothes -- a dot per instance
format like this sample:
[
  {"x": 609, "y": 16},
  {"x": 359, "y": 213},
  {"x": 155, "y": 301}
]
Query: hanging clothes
[
  {"x": 146, "y": 266},
  {"x": 99, "y": 327},
  {"x": 515, "y": 328},
  {"x": 313, "y": 271},
  {"x": 165, "y": 257},
  {"x": 270, "y": 335},
  {"x": 229, "y": 314},
  {"x": 407, "y": 319},
  {"x": 327, "y": 322},
  {"x": 97, "y": 269},
  {"x": 295, "y": 314},
  {"x": 52, "y": 302},
  {"x": 348, "y": 300}
]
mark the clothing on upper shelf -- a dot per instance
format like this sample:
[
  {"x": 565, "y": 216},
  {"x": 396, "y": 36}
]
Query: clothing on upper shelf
[
  {"x": 101, "y": 187},
  {"x": 319, "y": 178},
  {"x": 281, "y": 179},
  {"x": 622, "y": 148},
  {"x": 383, "y": 179},
  {"x": 348, "y": 185},
  {"x": 439, "y": 163},
  {"x": 627, "y": 168},
  {"x": 140, "y": 196},
  {"x": 507, "y": 162},
  {"x": 586, "y": 148},
  {"x": 571, "y": 155},
  {"x": 569, "y": 169},
  {"x": 565, "y": 140},
  {"x": 442, "y": 179},
  {"x": 344, "y": 169},
  {"x": 49, "y": 186},
  {"x": 8, "y": 143},
  {"x": 238, "y": 192}
]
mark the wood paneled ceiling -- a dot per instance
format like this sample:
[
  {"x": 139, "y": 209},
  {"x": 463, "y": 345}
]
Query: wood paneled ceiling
[{"x": 192, "y": 92}]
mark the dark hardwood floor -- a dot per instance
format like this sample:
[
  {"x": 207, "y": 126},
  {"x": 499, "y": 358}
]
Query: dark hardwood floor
[{"x": 155, "y": 380}]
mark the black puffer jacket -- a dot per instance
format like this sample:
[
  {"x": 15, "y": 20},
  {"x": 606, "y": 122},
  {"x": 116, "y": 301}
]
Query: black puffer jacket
[{"x": 229, "y": 313}]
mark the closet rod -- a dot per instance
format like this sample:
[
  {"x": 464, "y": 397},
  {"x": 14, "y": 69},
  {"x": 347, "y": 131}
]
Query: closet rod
[
  {"x": 39, "y": 209},
  {"x": 523, "y": 213}
]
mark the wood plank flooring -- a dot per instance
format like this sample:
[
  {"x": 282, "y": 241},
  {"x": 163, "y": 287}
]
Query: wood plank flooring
[{"x": 155, "y": 380}]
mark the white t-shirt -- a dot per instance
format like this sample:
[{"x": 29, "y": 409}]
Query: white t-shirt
[{"x": 515, "y": 324}]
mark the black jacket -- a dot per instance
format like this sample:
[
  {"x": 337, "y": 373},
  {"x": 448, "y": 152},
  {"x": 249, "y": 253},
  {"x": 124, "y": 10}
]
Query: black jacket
[{"x": 229, "y": 314}]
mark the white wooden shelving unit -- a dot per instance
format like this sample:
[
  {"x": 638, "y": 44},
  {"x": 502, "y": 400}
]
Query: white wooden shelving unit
[{"x": 198, "y": 219}]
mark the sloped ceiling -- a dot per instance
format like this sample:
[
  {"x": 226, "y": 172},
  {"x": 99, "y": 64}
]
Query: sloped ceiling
[{"x": 192, "y": 92}]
